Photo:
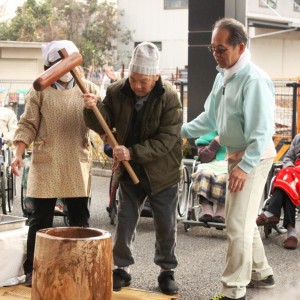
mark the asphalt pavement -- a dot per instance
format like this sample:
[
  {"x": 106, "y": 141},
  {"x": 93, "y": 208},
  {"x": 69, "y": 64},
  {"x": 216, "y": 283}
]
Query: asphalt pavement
[{"x": 201, "y": 253}]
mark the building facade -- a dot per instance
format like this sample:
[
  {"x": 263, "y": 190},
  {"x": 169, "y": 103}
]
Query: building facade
[
  {"x": 272, "y": 24},
  {"x": 163, "y": 22},
  {"x": 274, "y": 30},
  {"x": 20, "y": 65}
]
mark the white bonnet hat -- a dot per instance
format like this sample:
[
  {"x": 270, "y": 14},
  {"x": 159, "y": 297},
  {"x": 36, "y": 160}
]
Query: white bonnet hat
[
  {"x": 145, "y": 59},
  {"x": 50, "y": 51}
]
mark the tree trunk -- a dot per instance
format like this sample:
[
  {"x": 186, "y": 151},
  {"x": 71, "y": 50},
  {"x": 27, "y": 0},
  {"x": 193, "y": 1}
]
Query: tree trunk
[{"x": 72, "y": 263}]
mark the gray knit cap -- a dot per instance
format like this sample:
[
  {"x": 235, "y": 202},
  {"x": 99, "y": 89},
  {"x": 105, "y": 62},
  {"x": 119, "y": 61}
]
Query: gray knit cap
[{"x": 145, "y": 59}]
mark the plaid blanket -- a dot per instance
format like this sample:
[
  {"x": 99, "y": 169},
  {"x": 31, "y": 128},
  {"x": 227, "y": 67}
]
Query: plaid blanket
[{"x": 209, "y": 185}]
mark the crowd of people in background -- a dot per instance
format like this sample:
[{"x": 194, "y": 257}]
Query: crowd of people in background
[{"x": 103, "y": 77}]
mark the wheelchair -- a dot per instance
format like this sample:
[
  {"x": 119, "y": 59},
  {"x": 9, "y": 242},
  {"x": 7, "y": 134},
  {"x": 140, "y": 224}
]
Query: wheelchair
[
  {"x": 267, "y": 229},
  {"x": 192, "y": 207},
  {"x": 7, "y": 179},
  {"x": 183, "y": 186},
  {"x": 112, "y": 207}
]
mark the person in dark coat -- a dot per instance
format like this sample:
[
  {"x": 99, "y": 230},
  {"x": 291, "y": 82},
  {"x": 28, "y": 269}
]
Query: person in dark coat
[{"x": 147, "y": 115}]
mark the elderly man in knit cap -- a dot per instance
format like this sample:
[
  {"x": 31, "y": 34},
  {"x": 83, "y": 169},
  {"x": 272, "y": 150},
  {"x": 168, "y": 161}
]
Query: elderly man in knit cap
[
  {"x": 60, "y": 165},
  {"x": 147, "y": 115}
]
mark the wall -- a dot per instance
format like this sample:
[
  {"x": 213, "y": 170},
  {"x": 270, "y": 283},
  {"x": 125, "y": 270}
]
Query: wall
[
  {"x": 279, "y": 57},
  {"x": 20, "y": 60},
  {"x": 284, "y": 10},
  {"x": 275, "y": 48},
  {"x": 20, "y": 64},
  {"x": 148, "y": 21}
]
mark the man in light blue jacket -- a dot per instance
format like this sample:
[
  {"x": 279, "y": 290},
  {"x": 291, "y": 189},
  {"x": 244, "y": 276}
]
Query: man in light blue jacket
[{"x": 241, "y": 108}]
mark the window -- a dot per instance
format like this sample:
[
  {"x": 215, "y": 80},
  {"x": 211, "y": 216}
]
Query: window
[
  {"x": 157, "y": 44},
  {"x": 297, "y": 5},
  {"x": 175, "y": 4},
  {"x": 268, "y": 3}
]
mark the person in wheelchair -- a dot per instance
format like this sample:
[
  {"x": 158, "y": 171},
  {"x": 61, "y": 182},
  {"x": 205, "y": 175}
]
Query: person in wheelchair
[
  {"x": 8, "y": 124},
  {"x": 286, "y": 195},
  {"x": 210, "y": 178}
]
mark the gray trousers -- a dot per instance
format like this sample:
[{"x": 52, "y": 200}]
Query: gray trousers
[{"x": 163, "y": 204}]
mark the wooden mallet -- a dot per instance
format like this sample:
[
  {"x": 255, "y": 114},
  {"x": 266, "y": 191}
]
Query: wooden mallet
[{"x": 68, "y": 63}]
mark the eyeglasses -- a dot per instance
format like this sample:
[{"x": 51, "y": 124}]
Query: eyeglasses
[{"x": 218, "y": 50}]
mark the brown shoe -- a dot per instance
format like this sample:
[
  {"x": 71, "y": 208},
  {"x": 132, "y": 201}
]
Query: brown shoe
[
  {"x": 263, "y": 220},
  {"x": 205, "y": 218},
  {"x": 218, "y": 219},
  {"x": 290, "y": 243}
]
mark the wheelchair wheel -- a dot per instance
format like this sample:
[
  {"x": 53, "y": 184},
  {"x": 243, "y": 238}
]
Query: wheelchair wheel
[
  {"x": 10, "y": 188},
  {"x": 190, "y": 214},
  {"x": 3, "y": 190},
  {"x": 26, "y": 212},
  {"x": 187, "y": 227},
  {"x": 65, "y": 213},
  {"x": 22, "y": 200},
  {"x": 113, "y": 202},
  {"x": 183, "y": 193},
  {"x": 267, "y": 230},
  {"x": 113, "y": 214},
  {"x": 66, "y": 220},
  {"x": 112, "y": 208},
  {"x": 147, "y": 209}
]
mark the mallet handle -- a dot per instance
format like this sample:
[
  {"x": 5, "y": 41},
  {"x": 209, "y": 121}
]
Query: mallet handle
[{"x": 63, "y": 54}]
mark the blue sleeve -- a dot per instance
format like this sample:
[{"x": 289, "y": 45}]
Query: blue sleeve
[
  {"x": 259, "y": 126},
  {"x": 203, "y": 124}
]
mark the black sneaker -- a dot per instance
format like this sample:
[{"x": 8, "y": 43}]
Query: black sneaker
[
  {"x": 120, "y": 279},
  {"x": 166, "y": 283},
  {"x": 266, "y": 283},
  {"x": 222, "y": 297},
  {"x": 28, "y": 279}
]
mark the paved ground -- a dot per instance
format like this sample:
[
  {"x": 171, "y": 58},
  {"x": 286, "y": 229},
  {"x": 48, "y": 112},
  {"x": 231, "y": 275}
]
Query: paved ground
[{"x": 201, "y": 254}]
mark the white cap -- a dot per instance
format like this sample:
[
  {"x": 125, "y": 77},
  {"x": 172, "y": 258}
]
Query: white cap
[
  {"x": 145, "y": 59},
  {"x": 50, "y": 51}
]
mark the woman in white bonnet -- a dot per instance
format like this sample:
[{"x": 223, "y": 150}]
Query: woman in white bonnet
[{"x": 61, "y": 161}]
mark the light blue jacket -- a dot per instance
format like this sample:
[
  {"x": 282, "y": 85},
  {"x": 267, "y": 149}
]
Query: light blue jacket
[{"x": 242, "y": 111}]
